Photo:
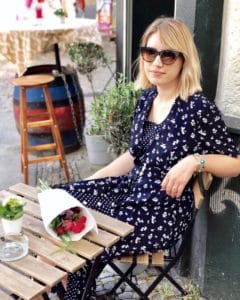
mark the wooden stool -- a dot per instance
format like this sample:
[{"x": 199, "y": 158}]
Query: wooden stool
[{"x": 48, "y": 119}]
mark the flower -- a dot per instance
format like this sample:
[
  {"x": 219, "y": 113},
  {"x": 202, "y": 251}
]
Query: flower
[
  {"x": 68, "y": 223},
  {"x": 67, "y": 220}
]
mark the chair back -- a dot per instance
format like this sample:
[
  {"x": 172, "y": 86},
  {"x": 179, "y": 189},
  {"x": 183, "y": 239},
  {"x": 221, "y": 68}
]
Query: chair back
[{"x": 201, "y": 185}]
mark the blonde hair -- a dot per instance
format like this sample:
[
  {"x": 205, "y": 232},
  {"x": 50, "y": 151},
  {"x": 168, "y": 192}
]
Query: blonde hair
[{"x": 175, "y": 35}]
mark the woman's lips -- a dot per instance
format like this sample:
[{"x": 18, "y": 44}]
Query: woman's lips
[{"x": 157, "y": 73}]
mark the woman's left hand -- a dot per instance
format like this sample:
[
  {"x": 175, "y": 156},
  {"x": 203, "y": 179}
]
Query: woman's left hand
[{"x": 178, "y": 176}]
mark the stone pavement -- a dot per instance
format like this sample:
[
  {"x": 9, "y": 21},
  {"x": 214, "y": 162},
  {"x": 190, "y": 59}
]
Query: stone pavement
[{"x": 77, "y": 161}]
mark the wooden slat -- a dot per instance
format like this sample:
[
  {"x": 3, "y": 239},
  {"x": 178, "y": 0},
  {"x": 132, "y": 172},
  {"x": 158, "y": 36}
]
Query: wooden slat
[
  {"x": 25, "y": 190},
  {"x": 142, "y": 259},
  {"x": 32, "y": 208},
  {"x": 207, "y": 180},
  {"x": 103, "y": 238},
  {"x": 83, "y": 247},
  {"x": 112, "y": 225},
  {"x": 39, "y": 270},
  {"x": 158, "y": 259},
  {"x": 42, "y": 147},
  {"x": 4, "y": 194},
  {"x": 63, "y": 259},
  {"x": 44, "y": 159},
  {"x": 40, "y": 123},
  {"x": 125, "y": 259},
  {"x": 21, "y": 285},
  {"x": 4, "y": 296}
]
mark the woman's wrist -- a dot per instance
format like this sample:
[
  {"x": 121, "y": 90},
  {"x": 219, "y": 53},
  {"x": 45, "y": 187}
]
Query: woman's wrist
[{"x": 200, "y": 162}]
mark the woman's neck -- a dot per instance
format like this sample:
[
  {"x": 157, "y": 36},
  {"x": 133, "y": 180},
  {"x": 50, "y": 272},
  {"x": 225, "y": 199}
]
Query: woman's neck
[{"x": 166, "y": 95}]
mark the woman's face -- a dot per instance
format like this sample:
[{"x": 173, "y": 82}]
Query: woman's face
[{"x": 158, "y": 73}]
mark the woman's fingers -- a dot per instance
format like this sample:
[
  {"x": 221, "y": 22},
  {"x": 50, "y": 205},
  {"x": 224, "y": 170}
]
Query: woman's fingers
[{"x": 178, "y": 176}]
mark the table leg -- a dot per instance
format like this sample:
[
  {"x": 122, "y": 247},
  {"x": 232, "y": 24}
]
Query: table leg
[
  {"x": 90, "y": 279},
  {"x": 57, "y": 57},
  {"x": 45, "y": 296}
]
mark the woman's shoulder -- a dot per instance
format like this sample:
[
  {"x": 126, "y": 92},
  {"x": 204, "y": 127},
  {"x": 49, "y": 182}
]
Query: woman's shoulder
[
  {"x": 199, "y": 102},
  {"x": 147, "y": 97},
  {"x": 148, "y": 93}
]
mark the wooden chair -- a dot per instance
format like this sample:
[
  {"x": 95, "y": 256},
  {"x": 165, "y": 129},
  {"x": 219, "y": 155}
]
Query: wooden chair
[
  {"x": 48, "y": 119},
  {"x": 164, "y": 261}
]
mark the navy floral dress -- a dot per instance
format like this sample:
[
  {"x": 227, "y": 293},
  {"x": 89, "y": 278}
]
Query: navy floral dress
[{"x": 193, "y": 126}]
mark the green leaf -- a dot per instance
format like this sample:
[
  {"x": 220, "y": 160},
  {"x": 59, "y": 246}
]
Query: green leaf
[
  {"x": 68, "y": 244},
  {"x": 42, "y": 185},
  {"x": 12, "y": 209}
]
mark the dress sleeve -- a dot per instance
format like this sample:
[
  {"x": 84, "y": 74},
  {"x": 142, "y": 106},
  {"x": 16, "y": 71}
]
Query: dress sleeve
[{"x": 212, "y": 134}]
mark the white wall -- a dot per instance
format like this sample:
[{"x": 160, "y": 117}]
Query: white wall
[{"x": 228, "y": 90}]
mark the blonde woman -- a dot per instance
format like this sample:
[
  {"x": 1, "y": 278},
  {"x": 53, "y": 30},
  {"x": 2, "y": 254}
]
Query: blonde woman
[{"x": 176, "y": 132}]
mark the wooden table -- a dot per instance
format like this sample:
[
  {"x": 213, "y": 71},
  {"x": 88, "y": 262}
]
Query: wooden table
[{"x": 31, "y": 276}]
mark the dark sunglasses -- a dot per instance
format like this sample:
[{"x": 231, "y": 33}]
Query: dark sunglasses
[{"x": 168, "y": 57}]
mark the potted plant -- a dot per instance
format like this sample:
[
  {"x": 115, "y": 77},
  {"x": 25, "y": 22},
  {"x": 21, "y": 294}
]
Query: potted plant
[
  {"x": 11, "y": 213},
  {"x": 60, "y": 13},
  {"x": 97, "y": 146},
  {"x": 111, "y": 117},
  {"x": 87, "y": 57},
  {"x": 120, "y": 101}
]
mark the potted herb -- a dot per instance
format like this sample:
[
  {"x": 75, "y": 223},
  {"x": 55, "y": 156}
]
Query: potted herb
[
  {"x": 60, "y": 13},
  {"x": 11, "y": 213}
]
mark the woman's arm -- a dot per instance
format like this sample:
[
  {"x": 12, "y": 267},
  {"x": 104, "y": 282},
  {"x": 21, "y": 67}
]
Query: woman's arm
[
  {"x": 217, "y": 164},
  {"x": 222, "y": 165},
  {"x": 120, "y": 166}
]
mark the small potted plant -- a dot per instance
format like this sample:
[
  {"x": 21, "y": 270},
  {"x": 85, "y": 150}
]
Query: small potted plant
[
  {"x": 97, "y": 146},
  {"x": 60, "y": 13},
  {"x": 11, "y": 213},
  {"x": 87, "y": 57}
]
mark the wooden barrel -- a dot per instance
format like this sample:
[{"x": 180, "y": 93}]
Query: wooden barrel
[{"x": 68, "y": 105}]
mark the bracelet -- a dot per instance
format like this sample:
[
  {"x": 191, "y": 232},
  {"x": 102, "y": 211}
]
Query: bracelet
[{"x": 201, "y": 162}]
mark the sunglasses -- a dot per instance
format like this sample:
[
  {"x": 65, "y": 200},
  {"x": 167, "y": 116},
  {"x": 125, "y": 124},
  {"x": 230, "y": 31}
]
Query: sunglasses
[{"x": 168, "y": 57}]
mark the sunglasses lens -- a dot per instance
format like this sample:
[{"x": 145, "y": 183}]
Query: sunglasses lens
[
  {"x": 148, "y": 54},
  {"x": 168, "y": 57}
]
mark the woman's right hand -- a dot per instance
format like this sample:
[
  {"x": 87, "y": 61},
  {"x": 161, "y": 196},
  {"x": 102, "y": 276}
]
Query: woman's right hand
[{"x": 178, "y": 176}]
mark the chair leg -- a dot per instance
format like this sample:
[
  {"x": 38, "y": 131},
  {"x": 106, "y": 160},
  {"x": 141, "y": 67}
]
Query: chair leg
[
  {"x": 56, "y": 133},
  {"x": 24, "y": 134},
  {"x": 128, "y": 281},
  {"x": 121, "y": 280},
  {"x": 60, "y": 290}
]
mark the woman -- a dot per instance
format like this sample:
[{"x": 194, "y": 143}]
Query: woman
[{"x": 176, "y": 132}]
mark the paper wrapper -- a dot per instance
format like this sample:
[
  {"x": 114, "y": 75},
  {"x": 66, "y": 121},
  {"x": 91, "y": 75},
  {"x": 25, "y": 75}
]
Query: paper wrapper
[{"x": 53, "y": 202}]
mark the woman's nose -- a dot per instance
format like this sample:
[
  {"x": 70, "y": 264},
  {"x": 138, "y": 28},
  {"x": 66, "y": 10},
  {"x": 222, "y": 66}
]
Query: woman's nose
[{"x": 158, "y": 61}]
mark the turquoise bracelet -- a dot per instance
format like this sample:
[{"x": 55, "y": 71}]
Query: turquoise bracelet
[{"x": 201, "y": 162}]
